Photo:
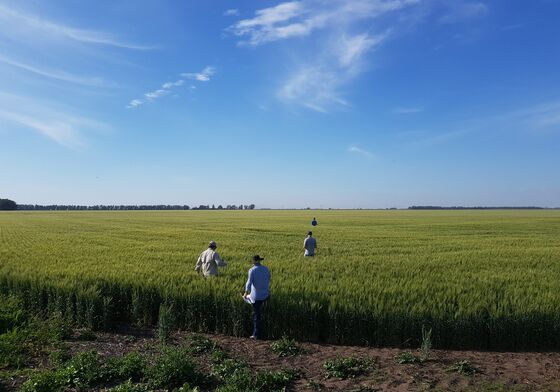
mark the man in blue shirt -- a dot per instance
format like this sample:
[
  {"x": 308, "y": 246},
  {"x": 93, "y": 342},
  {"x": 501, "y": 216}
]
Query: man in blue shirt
[
  {"x": 314, "y": 222},
  {"x": 257, "y": 292}
]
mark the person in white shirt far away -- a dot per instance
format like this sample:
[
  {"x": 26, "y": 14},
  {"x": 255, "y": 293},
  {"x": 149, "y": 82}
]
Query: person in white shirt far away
[
  {"x": 209, "y": 261},
  {"x": 310, "y": 245}
]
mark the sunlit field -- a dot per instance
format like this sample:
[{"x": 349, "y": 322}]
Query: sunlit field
[{"x": 479, "y": 279}]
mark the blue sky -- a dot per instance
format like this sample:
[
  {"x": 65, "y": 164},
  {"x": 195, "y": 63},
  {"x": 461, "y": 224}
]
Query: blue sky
[{"x": 343, "y": 104}]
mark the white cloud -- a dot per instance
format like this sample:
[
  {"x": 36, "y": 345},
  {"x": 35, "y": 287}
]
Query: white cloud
[
  {"x": 62, "y": 76},
  {"x": 335, "y": 60},
  {"x": 459, "y": 11},
  {"x": 63, "y": 128},
  {"x": 408, "y": 110},
  {"x": 203, "y": 76},
  {"x": 18, "y": 20},
  {"x": 167, "y": 87},
  {"x": 231, "y": 12},
  {"x": 361, "y": 152}
]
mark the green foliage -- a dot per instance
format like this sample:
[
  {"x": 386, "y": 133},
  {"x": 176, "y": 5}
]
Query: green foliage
[
  {"x": 229, "y": 368},
  {"x": 47, "y": 381},
  {"x": 315, "y": 386},
  {"x": 11, "y": 313},
  {"x": 406, "y": 357},
  {"x": 345, "y": 368},
  {"x": 131, "y": 366},
  {"x": 479, "y": 279},
  {"x": 242, "y": 380},
  {"x": 463, "y": 367},
  {"x": 59, "y": 356},
  {"x": 173, "y": 369},
  {"x": 199, "y": 345},
  {"x": 286, "y": 347},
  {"x": 129, "y": 386},
  {"x": 13, "y": 349},
  {"x": 86, "y": 335},
  {"x": 83, "y": 371}
]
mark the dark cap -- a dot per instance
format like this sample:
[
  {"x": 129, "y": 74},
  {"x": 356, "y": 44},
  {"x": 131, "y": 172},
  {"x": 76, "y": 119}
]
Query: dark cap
[
  {"x": 310, "y": 233},
  {"x": 257, "y": 258}
]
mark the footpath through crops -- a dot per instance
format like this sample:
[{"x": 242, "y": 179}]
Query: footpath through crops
[{"x": 478, "y": 279}]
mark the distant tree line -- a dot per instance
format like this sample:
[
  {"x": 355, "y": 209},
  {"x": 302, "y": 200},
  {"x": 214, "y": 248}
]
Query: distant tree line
[
  {"x": 6, "y": 204},
  {"x": 471, "y": 208}
]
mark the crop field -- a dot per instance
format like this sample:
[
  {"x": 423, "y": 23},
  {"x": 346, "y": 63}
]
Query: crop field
[{"x": 478, "y": 279}]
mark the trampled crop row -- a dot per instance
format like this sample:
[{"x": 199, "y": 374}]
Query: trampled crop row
[{"x": 479, "y": 279}]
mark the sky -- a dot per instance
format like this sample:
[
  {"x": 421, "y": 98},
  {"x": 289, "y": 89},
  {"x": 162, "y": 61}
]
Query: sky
[{"x": 308, "y": 103}]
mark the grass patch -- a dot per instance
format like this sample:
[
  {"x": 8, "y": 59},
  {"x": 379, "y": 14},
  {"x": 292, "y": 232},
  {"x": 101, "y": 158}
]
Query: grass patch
[
  {"x": 407, "y": 358},
  {"x": 463, "y": 367}
]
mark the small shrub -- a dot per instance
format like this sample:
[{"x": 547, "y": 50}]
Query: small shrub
[
  {"x": 49, "y": 381},
  {"x": 13, "y": 349},
  {"x": 286, "y": 347},
  {"x": 199, "y": 345},
  {"x": 345, "y": 368},
  {"x": 406, "y": 358},
  {"x": 130, "y": 367},
  {"x": 229, "y": 368},
  {"x": 172, "y": 370},
  {"x": 83, "y": 371},
  {"x": 463, "y": 367}
]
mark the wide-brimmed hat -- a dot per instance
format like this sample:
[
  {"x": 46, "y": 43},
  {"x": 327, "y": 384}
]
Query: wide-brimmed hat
[{"x": 256, "y": 258}]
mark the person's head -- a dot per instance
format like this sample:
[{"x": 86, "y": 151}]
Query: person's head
[
  {"x": 256, "y": 259},
  {"x": 309, "y": 233},
  {"x": 212, "y": 245},
  {"x": 313, "y": 218}
]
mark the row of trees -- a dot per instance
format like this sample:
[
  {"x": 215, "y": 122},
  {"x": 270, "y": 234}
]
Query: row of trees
[
  {"x": 471, "y": 208},
  {"x": 6, "y": 204}
]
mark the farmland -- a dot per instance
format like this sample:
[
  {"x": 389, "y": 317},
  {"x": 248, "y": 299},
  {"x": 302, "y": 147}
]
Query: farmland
[{"x": 479, "y": 279}]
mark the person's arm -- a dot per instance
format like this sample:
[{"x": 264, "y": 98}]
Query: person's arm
[
  {"x": 219, "y": 261},
  {"x": 249, "y": 283},
  {"x": 304, "y": 243},
  {"x": 198, "y": 265}
]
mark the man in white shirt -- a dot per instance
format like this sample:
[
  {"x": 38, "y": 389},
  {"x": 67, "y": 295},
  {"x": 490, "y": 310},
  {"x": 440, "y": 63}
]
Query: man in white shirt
[
  {"x": 209, "y": 261},
  {"x": 310, "y": 245}
]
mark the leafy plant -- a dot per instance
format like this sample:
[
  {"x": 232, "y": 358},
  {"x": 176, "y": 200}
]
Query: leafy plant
[
  {"x": 463, "y": 367},
  {"x": 172, "y": 370},
  {"x": 286, "y": 347},
  {"x": 129, "y": 386},
  {"x": 199, "y": 345},
  {"x": 406, "y": 357},
  {"x": 131, "y": 366},
  {"x": 345, "y": 368},
  {"x": 426, "y": 346}
]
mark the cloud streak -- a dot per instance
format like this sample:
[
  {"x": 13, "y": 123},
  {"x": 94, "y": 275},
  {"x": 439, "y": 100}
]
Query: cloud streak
[
  {"x": 62, "y": 76},
  {"x": 167, "y": 87},
  {"x": 45, "y": 28},
  {"x": 361, "y": 152}
]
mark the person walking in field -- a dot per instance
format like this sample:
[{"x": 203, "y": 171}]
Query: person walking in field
[
  {"x": 209, "y": 261},
  {"x": 309, "y": 245},
  {"x": 314, "y": 222},
  {"x": 257, "y": 291}
]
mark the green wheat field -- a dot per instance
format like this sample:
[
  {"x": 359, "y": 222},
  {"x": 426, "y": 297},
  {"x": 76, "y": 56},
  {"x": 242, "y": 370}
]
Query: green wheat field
[{"x": 478, "y": 279}]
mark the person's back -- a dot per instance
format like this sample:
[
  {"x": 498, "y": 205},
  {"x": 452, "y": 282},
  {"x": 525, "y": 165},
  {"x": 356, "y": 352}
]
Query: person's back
[
  {"x": 314, "y": 222},
  {"x": 258, "y": 282},
  {"x": 209, "y": 261},
  {"x": 310, "y": 244}
]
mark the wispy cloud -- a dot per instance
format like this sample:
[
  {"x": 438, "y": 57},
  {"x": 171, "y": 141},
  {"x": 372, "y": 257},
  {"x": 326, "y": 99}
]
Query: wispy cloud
[
  {"x": 203, "y": 76},
  {"x": 318, "y": 84},
  {"x": 360, "y": 151},
  {"x": 62, "y": 76},
  {"x": 231, "y": 12},
  {"x": 48, "y": 29},
  {"x": 166, "y": 88},
  {"x": 408, "y": 110},
  {"x": 459, "y": 11},
  {"x": 65, "y": 129}
]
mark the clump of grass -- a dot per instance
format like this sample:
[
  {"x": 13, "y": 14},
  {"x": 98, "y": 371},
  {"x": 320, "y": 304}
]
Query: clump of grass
[
  {"x": 345, "y": 368},
  {"x": 426, "y": 346},
  {"x": 165, "y": 323},
  {"x": 286, "y": 347},
  {"x": 463, "y": 367}
]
